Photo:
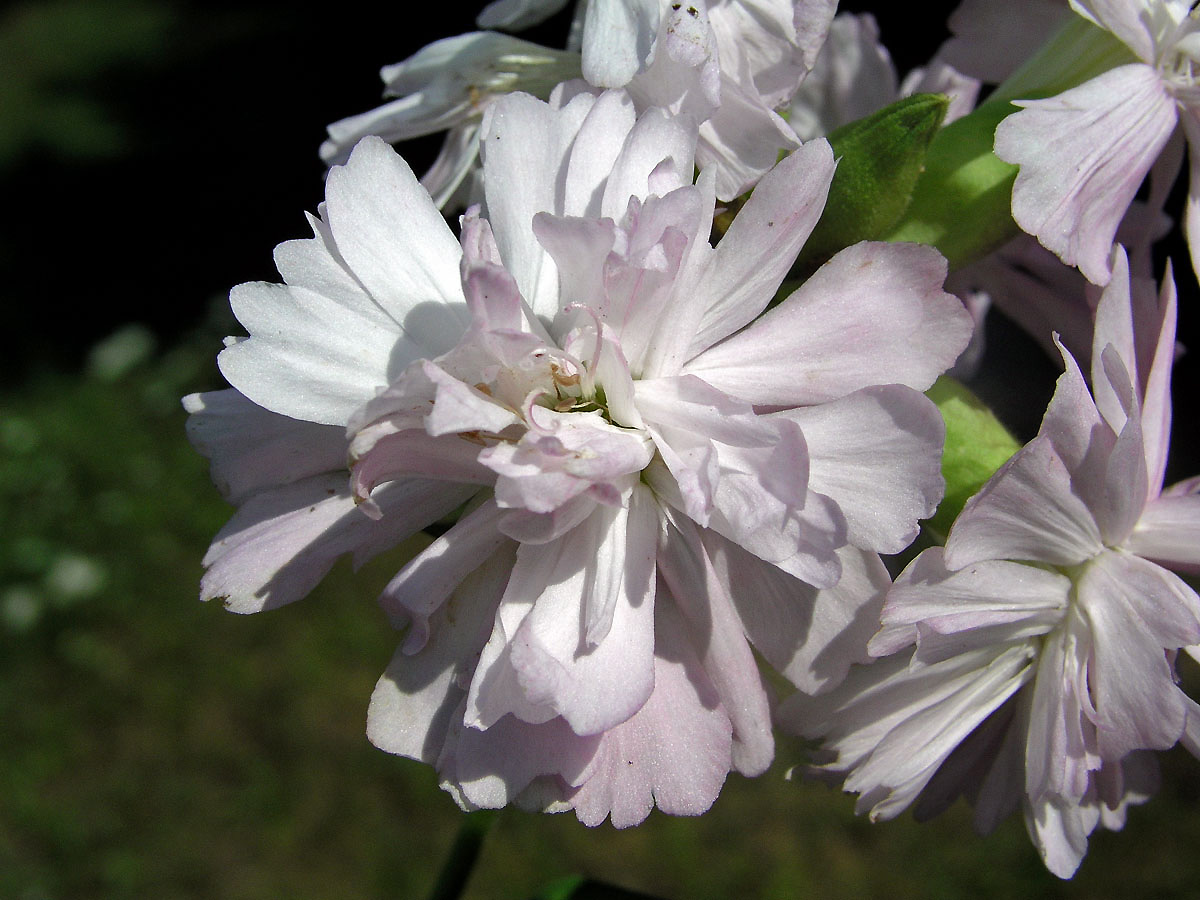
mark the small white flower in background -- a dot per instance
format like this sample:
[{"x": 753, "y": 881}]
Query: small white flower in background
[
  {"x": 446, "y": 87},
  {"x": 854, "y": 76},
  {"x": 1085, "y": 152},
  {"x": 648, "y": 475},
  {"x": 1030, "y": 661},
  {"x": 991, "y": 39},
  {"x": 729, "y": 65}
]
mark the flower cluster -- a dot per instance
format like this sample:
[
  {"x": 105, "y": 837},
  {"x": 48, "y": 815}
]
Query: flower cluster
[{"x": 659, "y": 448}]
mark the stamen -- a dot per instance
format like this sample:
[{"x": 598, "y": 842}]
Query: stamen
[
  {"x": 589, "y": 369},
  {"x": 527, "y": 410}
]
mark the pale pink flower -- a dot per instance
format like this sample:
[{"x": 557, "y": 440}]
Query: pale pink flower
[
  {"x": 1029, "y": 662},
  {"x": 592, "y": 386},
  {"x": 1085, "y": 152}
]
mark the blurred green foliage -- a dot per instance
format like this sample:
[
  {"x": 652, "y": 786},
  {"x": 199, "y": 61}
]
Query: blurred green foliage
[{"x": 51, "y": 55}]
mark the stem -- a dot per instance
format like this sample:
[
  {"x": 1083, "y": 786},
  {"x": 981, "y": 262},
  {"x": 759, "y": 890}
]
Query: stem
[{"x": 464, "y": 853}]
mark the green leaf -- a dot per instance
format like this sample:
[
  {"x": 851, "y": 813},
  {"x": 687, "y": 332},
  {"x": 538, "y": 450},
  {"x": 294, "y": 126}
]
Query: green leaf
[
  {"x": 976, "y": 446},
  {"x": 880, "y": 159}
]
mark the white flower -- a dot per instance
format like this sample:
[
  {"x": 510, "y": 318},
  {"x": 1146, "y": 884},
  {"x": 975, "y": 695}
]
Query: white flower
[
  {"x": 1045, "y": 630},
  {"x": 445, "y": 87},
  {"x": 1085, "y": 152},
  {"x": 729, "y": 65},
  {"x": 581, "y": 376}
]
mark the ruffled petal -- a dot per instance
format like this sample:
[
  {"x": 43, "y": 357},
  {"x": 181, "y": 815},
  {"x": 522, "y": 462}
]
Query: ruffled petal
[
  {"x": 397, "y": 244},
  {"x": 524, "y": 143},
  {"x": 892, "y": 725},
  {"x": 430, "y": 577},
  {"x": 713, "y": 626},
  {"x": 1027, "y": 510},
  {"x": 809, "y": 636},
  {"x": 876, "y": 453},
  {"x": 415, "y": 699},
  {"x": 309, "y": 356},
  {"x": 493, "y": 768},
  {"x": 574, "y": 636},
  {"x": 990, "y": 602},
  {"x": 252, "y": 449},
  {"x": 1134, "y": 616},
  {"x": 1129, "y": 20},
  {"x": 756, "y": 252},
  {"x": 673, "y": 752},
  {"x": 1169, "y": 531}
]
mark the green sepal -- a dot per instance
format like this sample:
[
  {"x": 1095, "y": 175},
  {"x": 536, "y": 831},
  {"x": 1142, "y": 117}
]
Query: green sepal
[
  {"x": 976, "y": 446},
  {"x": 962, "y": 203},
  {"x": 880, "y": 159}
]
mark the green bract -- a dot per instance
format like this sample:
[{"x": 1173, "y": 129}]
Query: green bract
[
  {"x": 880, "y": 159},
  {"x": 976, "y": 446}
]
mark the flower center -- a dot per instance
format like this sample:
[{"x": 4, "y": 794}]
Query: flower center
[{"x": 1179, "y": 61}]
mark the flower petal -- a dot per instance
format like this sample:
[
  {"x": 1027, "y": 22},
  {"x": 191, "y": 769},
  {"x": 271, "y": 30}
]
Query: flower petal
[
  {"x": 430, "y": 577},
  {"x": 1025, "y": 511},
  {"x": 1023, "y": 600},
  {"x": 415, "y": 699},
  {"x": 695, "y": 588},
  {"x": 1135, "y": 615},
  {"x": 810, "y": 636},
  {"x": 252, "y": 448},
  {"x": 280, "y": 544},
  {"x": 1169, "y": 531},
  {"x": 876, "y": 453},
  {"x": 397, "y": 244},
  {"x": 874, "y": 314},
  {"x": 517, "y": 15},
  {"x": 756, "y": 252},
  {"x": 551, "y": 653},
  {"x": 673, "y": 752},
  {"x": 1083, "y": 155}
]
